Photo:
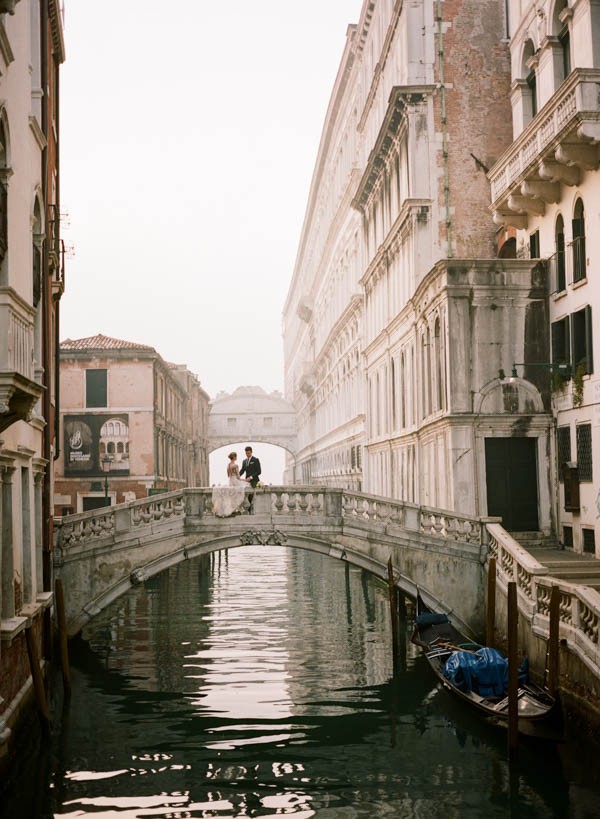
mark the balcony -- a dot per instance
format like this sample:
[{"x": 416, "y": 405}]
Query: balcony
[
  {"x": 18, "y": 388},
  {"x": 557, "y": 145}
]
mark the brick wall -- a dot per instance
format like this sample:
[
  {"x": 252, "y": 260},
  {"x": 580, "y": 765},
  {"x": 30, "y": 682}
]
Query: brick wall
[{"x": 478, "y": 117}]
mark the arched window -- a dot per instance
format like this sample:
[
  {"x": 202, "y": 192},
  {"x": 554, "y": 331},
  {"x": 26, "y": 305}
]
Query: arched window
[
  {"x": 393, "y": 389},
  {"x": 530, "y": 102},
  {"x": 439, "y": 360},
  {"x": 559, "y": 282},
  {"x": 578, "y": 243},
  {"x": 560, "y": 31},
  {"x": 402, "y": 392},
  {"x": 4, "y": 174}
]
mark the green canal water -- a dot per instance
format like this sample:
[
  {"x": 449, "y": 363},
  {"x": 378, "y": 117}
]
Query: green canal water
[{"x": 260, "y": 683}]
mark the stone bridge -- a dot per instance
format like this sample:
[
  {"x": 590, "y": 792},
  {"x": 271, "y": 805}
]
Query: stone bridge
[{"x": 99, "y": 555}]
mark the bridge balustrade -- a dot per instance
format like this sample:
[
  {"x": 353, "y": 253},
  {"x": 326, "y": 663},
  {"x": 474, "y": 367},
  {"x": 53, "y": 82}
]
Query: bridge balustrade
[{"x": 103, "y": 552}]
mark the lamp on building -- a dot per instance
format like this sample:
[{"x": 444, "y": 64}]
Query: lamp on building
[
  {"x": 106, "y": 464},
  {"x": 563, "y": 368}
]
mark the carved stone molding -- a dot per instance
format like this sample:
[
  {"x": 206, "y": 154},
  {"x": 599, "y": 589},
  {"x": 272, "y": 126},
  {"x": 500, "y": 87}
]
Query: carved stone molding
[
  {"x": 263, "y": 537},
  {"x": 584, "y": 156},
  {"x": 558, "y": 172},
  {"x": 525, "y": 204},
  {"x": 546, "y": 191}
]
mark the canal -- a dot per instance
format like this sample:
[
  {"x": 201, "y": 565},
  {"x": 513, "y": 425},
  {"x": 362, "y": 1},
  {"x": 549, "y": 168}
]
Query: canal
[{"x": 259, "y": 683}]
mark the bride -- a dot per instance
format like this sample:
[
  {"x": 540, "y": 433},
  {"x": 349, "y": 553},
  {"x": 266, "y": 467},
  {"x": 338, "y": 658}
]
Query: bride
[{"x": 227, "y": 500}]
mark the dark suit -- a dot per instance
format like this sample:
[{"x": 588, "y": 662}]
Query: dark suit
[{"x": 251, "y": 468}]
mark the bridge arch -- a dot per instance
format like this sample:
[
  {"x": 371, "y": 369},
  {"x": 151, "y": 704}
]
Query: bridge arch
[
  {"x": 99, "y": 555},
  {"x": 201, "y": 548},
  {"x": 252, "y": 414}
]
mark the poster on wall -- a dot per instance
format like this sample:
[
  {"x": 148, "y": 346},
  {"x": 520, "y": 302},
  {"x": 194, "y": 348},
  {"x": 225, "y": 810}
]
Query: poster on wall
[{"x": 91, "y": 439}]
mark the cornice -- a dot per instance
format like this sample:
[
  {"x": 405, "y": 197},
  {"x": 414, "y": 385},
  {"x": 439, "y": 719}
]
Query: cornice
[
  {"x": 377, "y": 74},
  {"x": 401, "y": 97},
  {"x": 55, "y": 16},
  {"x": 409, "y": 207}
]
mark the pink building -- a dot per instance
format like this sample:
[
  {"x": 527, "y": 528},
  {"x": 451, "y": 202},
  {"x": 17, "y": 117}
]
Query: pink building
[{"x": 131, "y": 425}]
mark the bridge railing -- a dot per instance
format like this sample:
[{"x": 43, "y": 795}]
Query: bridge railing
[
  {"x": 285, "y": 501},
  {"x": 579, "y": 606}
]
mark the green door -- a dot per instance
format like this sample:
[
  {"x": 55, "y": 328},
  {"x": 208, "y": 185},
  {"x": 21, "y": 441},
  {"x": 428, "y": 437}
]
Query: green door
[{"x": 511, "y": 478}]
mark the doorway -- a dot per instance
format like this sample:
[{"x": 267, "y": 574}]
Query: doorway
[{"x": 512, "y": 479}]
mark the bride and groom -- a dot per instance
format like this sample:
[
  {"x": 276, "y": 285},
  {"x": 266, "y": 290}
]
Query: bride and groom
[{"x": 229, "y": 500}]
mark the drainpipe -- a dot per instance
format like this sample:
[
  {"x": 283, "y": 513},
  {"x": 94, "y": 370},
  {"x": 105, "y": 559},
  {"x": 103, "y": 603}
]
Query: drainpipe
[
  {"x": 62, "y": 275},
  {"x": 442, "y": 88},
  {"x": 46, "y": 309}
]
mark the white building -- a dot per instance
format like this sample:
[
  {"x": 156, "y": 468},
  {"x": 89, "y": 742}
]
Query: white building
[
  {"x": 546, "y": 191},
  {"x": 403, "y": 319}
]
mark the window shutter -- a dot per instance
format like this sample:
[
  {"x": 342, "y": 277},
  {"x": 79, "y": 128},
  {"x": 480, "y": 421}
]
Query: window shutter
[{"x": 589, "y": 340}]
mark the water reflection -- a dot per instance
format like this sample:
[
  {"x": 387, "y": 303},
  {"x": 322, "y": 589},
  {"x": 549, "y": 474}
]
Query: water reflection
[{"x": 261, "y": 684}]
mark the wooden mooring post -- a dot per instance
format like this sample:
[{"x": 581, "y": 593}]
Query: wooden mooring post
[
  {"x": 513, "y": 674},
  {"x": 393, "y": 612},
  {"x": 553, "y": 641},
  {"x": 490, "y": 617},
  {"x": 62, "y": 635},
  {"x": 38, "y": 681}
]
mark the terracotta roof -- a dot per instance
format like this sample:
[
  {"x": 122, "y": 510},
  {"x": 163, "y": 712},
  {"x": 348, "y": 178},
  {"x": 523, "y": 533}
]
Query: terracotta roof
[{"x": 100, "y": 342}]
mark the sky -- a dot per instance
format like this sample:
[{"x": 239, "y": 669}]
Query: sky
[{"x": 189, "y": 134}]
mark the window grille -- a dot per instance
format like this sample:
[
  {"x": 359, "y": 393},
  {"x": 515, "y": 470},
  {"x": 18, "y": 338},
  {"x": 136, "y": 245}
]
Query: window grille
[
  {"x": 584, "y": 451},
  {"x": 563, "y": 444},
  {"x": 589, "y": 541},
  {"x": 568, "y": 537}
]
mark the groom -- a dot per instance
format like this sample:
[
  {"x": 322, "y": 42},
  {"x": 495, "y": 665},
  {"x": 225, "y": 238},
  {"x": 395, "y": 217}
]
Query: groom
[{"x": 250, "y": 468}]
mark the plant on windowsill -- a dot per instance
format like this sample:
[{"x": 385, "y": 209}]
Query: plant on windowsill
[
  {"x": 578, "y": 384},
  {"x": 559, "y": 380}
]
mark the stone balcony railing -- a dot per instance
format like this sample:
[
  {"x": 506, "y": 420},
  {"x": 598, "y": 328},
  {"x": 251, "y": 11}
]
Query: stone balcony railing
[
  {"x": 18, "y": 389},
  {"x": 579, "y": 607},
  {"x": 560, "y": 141}
]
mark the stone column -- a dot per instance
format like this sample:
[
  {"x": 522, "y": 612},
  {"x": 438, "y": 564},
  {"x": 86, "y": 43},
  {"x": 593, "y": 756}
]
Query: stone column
[
  {"x": 7, "y": 603},
  {"x": 38, "y": 487}
]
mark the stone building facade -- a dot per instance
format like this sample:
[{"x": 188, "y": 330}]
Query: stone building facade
[
  {"x": 545, "y": 194},
  {"x": 131, "y": 425},
  {"x": 403, "y": 321},
  {"x": 31, "y": 284}
]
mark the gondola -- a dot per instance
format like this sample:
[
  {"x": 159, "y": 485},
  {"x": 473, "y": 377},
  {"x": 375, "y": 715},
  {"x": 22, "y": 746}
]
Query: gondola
[{"x": 479, "y": 675}]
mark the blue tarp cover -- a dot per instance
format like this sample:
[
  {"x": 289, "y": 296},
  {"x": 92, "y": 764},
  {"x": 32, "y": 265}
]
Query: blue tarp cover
[{"x": 485, "y": 672}]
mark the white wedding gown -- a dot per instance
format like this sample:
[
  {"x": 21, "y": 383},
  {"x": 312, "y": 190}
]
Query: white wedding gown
[{"x": 226, "y": 500}]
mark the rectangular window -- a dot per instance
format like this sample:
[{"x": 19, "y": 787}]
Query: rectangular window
[
  {"x": 268, "y": 423},
  {"x": 95, "y": 388},
  {"x": 568, "y": 537},
  {"x": 581, "y": 339},
  {"x": 588, "y": 537},
  {"x": 560, "y": 341},
  {"x": 534, "y": 245},
  {"x": 231, "y": 422},
  {"x": 563, "y": 445},
  {"x": 584, "y": 452}
]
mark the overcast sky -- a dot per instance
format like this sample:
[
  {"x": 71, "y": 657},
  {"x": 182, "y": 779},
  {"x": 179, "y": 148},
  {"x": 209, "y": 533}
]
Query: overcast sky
[{"x": 189, "y": 133}]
